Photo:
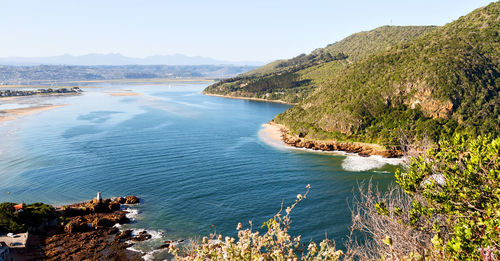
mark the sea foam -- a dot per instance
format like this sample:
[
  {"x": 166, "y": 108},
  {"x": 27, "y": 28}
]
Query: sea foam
[{"x": 358, "y": 163}]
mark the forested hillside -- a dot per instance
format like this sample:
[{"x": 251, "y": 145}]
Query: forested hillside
[
  {"x": 442, "y": 82},
  {"x": 293, "y": 79}
]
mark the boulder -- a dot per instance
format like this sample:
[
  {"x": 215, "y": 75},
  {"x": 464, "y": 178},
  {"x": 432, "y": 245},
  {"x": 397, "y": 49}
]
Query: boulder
[
  {"x": 114, "y": 205},
  {"x": 124, "y": 235},
  {"x": 102, "y": 221},
  {"x": 142, "y": 236},
  {"x": 131, "y": 200},
  {"x": 99, "y": 208},
  {"x": 109, "y": 220},
  {"x": 120, "y": 200},
  {"x": 77, "y": 224}
]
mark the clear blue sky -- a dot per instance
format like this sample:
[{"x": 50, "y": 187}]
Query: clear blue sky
[{"x": 258, "y": 30}]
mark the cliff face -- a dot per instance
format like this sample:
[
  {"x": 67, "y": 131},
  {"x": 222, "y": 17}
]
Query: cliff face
[{"x": 444, "y": 81}]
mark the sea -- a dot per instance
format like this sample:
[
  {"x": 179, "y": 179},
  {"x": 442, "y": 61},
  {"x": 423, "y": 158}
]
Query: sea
[{"x": 200, "y": 164}]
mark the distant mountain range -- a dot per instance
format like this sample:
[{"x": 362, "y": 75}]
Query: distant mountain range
[{"x": 118, "y": 59}]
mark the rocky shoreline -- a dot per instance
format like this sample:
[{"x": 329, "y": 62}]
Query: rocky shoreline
[
  {"x": 362, "y": 149},
  {"x": 85, "y": 231}
]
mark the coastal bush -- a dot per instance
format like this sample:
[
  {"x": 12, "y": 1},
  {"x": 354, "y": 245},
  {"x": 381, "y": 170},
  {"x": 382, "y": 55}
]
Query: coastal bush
[
  {"x": 456, "y": 191},
  {"x": 32, "y": 215},
  {"x": 274, "y": 244},
  {"x": 9, "y": 221},
  {"x": 446, "y": 208}
]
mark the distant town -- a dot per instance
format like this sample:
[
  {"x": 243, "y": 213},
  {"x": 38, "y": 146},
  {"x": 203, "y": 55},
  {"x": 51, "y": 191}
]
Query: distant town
[
  {"x": 11, "y": 93},
  {"x": 55, "y": 74}
]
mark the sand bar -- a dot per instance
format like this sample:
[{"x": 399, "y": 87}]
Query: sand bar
[
  {"x": 12, "y": 114},
  {"x": 123, "y": 93}
]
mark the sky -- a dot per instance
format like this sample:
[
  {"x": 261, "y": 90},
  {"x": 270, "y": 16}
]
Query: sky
[{"x": 230, "y": 30}]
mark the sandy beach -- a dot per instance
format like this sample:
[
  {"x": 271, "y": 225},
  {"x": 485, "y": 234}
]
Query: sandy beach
[
  {"x": 271, "y": 134},
  {"x": 12, "y": 114}
]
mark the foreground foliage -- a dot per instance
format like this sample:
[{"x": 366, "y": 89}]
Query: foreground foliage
[
  {"x": 447, "y": 207},
  {"x": 275, "y": 244},
  {"x": 456, "y": 189}
]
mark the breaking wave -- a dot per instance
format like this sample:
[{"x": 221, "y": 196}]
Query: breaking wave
[{"x": 358, "y": 163}]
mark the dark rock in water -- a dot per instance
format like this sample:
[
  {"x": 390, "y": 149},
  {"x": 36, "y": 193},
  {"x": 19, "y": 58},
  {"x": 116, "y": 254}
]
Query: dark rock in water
[
  {"x": 113, "y": 230},
  {"x": 124, "y": 235},
  {"x": 118, "y": 217},
  {"x": 131, "y": 200},
  {"x": 167, "y": 243},
  {"x": 113, "y": 205},
  {"x": 142, "y": 236},
  {"x": 120, "y": 200}
]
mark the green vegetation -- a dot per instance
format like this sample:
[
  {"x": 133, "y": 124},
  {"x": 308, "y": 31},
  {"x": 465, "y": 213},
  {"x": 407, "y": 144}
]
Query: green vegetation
[
  {"x": 31, "y": 215},
  {"x": 443, "y": 86},
  {"x": 447, "y": 208},
  {"x": 294, "y": 79},
  {"x": 456, "y": 192},
  {"x": 275, "y": 244},
  {"x": 443, "y": 82}
]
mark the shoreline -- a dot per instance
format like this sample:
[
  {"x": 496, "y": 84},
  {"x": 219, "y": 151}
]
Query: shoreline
[
  {"x": 247, "y": 98},
  {"x": 12, "y": 114},
  {"x": 95, "y": 223},
  {"x": 279, "y": 133}
]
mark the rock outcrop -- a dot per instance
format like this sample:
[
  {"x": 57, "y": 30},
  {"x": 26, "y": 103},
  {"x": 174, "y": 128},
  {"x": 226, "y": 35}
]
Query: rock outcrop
[
  {"x": 363, "y": 149},
  {"x": 142, "y": 236},
  {"x": 89, "y": 233},
  {"x": 131, "y": 200}
]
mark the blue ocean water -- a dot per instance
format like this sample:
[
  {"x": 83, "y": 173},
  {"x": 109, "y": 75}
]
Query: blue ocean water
[{"x": 196, "y": 162}]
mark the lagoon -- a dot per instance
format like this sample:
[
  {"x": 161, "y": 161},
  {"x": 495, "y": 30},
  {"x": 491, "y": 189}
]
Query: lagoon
[{"x": 197, "y": 162}]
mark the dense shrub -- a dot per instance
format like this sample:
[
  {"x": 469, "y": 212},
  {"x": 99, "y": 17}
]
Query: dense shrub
[{"x": 32, "y": 215}]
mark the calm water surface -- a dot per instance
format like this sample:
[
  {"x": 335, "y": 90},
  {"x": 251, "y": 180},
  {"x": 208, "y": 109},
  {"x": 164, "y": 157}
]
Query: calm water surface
[{"x": 195, "y": 160}]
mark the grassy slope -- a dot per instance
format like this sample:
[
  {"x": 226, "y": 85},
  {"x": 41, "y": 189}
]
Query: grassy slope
[
  {"x": 293, "y": 79},
  {"x": 441, "y": 82}
]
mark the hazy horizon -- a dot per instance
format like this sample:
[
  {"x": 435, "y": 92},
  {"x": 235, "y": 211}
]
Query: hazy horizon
[
  {"x": 223, "y": 30},
  {"x": 120, "y": 59}
]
